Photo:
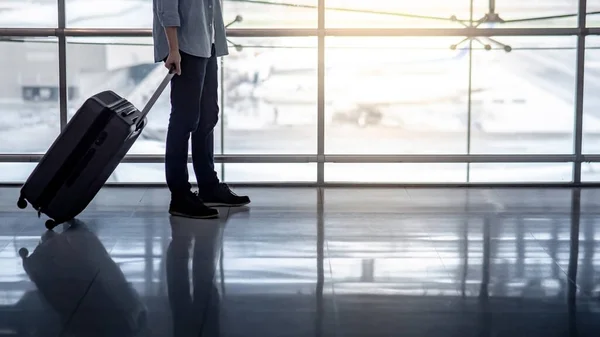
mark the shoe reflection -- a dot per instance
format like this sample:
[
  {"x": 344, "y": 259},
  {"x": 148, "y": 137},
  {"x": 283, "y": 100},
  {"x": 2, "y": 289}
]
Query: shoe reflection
[
  {"x": 195, "y": 300},
  {"x": 78, "y": 280}
]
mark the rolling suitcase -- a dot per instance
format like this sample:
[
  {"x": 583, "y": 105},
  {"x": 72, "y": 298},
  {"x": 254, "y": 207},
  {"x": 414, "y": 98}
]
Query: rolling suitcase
[{"x": 85, "y": 154}]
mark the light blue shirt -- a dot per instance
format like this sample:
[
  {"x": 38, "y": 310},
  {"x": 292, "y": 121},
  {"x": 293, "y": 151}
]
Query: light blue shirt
[{"x": 199, "y": 22}]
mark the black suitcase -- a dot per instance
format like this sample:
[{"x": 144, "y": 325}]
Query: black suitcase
[{"x": 84, "y": 155}]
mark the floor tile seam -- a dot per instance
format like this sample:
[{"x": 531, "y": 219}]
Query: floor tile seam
[
  {"x": 449, "y": 274},
  {"x": 336, "y": 312},
  {"x": 553, "y": 260}
]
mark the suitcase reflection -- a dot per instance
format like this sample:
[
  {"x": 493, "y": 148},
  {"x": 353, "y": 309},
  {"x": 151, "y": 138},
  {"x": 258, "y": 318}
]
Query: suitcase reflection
[
  {"x": 85, "y": 293},
  {"x": 83, "y": 290}
]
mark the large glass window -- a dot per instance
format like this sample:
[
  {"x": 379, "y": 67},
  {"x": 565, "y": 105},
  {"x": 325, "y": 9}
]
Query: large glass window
[{"x": 384, "y": 94}]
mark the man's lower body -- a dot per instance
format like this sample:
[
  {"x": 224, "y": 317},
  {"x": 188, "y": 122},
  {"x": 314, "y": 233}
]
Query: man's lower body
[{"x": 195, "y": 112}]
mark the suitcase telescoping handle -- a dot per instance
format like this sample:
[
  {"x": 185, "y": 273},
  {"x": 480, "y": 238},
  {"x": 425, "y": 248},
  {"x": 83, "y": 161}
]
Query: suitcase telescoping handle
[{"x": 155, "y": 96}]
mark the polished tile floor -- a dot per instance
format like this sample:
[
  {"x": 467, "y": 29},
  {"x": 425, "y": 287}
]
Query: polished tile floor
[{"x": 308, "y": 262}]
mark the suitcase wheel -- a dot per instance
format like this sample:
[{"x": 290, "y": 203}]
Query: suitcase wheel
[
  {"x": 23, "y": 253},
  {"x": 50, "y": 224},
  {"x": 22, "y": 203}
]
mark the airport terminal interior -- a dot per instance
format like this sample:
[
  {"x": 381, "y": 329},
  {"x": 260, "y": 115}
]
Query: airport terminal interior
[{"x": 416, "y": 168}]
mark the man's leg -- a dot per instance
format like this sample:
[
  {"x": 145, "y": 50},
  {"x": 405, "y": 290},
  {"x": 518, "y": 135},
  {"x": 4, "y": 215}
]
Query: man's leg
[
  {"x": 203, "y": 136},
  {"x": 210, "y": 190},
  {"x": 186, "y": 91}
]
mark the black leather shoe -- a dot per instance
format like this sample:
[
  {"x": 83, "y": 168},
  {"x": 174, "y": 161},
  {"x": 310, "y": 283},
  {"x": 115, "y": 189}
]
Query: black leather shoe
[
  {"x": 190, "y": 205},
  {"x": 222, "y": 196}
]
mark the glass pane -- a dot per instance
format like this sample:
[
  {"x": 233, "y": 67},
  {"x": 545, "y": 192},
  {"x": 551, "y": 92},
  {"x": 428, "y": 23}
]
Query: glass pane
[
  {"x": 590, "y": 172},
  {"x": 389, "y": 13},
  {"x": 396, "y": 173},
  {"x": 125, "y": 66},
  {"x": 270, "y": 103},
  {"x": 125, "y": 172},
  {"x": 148, "y": 173},
  {"x": 593, "y": 10},
  {"x": 241, "y": 173},
  {"x": 28, "y": 14},
  {"x": 530, "y": 14},
  {"x": 523, "y": 101},
  {"x": 109, "y": 14},
  {"x": 521, "y": 172},
  {"x": 28, "y": 95},
  {"x": 155, "y": 172},
  {"x": 270, "y": 14},
  {"x": 15, "y": 172},
  {"x": 396, "y": 95},
  {"x": 591, "y": 100}
]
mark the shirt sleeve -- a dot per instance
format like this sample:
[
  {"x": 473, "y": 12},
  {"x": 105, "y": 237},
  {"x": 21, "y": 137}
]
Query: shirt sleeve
[{"x": 168, "y": 13}]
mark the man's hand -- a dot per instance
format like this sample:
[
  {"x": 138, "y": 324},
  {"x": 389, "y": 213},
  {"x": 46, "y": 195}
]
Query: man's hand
[
  {"x": 174, "y": 62},
  {"x": 174, "y": 59}
]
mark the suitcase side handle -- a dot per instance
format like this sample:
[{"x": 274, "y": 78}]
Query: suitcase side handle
[{"x": 155, "y": 96}]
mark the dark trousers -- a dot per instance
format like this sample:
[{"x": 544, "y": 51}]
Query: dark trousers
[{"x": 195, "y": 112}]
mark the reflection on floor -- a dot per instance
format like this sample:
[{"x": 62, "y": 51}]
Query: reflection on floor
[{"x": 307, "y": 262}]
